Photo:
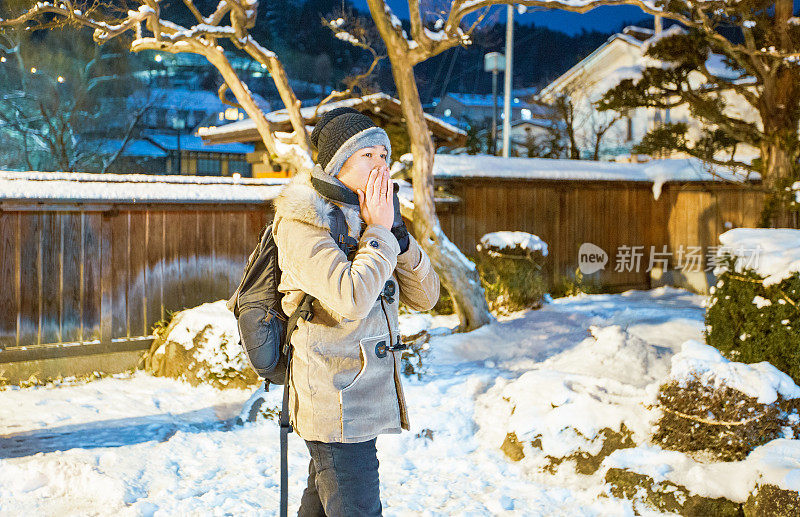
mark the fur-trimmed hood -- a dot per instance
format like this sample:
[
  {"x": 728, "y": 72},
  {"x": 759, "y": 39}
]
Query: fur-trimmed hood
[{"x": 299, "y": 200}]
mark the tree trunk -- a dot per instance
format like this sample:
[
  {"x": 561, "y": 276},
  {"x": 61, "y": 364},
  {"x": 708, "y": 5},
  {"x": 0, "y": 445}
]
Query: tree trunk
[
  {"x": 779, "y": 115},
  {"x": 779, "y": 172},
  {"x": 458, "y": 275}
]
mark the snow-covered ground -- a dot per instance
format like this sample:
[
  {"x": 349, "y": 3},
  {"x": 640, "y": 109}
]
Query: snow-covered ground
[{"x": 139, "y": 445}]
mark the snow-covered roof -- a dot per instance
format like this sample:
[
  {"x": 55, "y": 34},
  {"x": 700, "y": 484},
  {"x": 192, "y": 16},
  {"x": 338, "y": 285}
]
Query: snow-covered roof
[
  {"x": 245, "y": 130},
  {"x": 135, "y": 188},
  {"x": 540, "y": 122},
  {"x": 195, "y": 143},
  {"x": 640, "y": 39},
  {"x": 139, "y": 148},
  {"x": 157, "y": 145},
  {"x": 596, "y": 54},
  {"x": 525, "y": 92},
  {"x": 485, "y": 100},
  {"x": 187, "y": 99},
  {"x": 655, "y": 171}
]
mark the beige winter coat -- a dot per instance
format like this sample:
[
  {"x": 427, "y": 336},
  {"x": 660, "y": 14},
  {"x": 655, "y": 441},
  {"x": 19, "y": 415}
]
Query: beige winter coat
[{"x": 344, "y": 385}]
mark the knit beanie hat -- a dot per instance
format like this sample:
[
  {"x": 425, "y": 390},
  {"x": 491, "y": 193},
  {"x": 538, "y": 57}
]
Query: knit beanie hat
[{"x": 341, "y": 132}]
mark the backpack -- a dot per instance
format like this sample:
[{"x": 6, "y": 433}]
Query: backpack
[{"x": 264, "y": 330}]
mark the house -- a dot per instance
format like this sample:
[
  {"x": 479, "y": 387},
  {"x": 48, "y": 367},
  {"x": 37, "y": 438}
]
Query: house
[
  {"x": 179, "y": 153},
  {"x": 465, "y": 109},
  {"x": 384, "y": 110},
  {"x": 531, "y": 138},
  {"x": 621, "y": 57},
  {"x": 186, "y": 109},
  {"x": 164, "y": 142}
]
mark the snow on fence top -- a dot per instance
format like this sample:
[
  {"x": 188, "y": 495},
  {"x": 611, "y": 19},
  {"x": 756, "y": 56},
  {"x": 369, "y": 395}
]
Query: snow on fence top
[
  {"x": 656, "y": 171},
  {"x": 772, "y": 253},
  {"x": 135, "y": 188}
]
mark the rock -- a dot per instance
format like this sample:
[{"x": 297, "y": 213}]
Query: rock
[
  {"x": 769, "y": 500},
  {"x": 512, "y": 447},
  {"x": 201, "y": 346},
  {"x": 587, "y": 464},
  {"x": 668, "y": 497}
]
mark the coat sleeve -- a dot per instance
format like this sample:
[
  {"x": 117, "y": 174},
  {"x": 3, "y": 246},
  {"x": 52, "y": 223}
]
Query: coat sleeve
[
  {"x": 319, "y": 267},
  {"x": 419, "y": 283}
]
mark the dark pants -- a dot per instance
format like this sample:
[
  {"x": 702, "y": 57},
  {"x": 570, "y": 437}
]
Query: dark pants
[{"x": 342, "y": 480}]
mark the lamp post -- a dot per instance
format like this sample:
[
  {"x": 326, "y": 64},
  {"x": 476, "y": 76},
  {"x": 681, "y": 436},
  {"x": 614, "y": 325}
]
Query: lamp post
[
  {"x": 494, "y": 62},
  {"x": 507, "y": 77}
]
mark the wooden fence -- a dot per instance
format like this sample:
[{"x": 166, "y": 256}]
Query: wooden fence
[
  {"x": 86, "y": 279},
  {"x": 609, "y": 214}
]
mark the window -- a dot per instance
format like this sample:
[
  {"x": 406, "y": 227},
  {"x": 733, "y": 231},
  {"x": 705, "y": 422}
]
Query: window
[
  {"x": 206, "y": 167},
  {"x": 243, "y": 168}
]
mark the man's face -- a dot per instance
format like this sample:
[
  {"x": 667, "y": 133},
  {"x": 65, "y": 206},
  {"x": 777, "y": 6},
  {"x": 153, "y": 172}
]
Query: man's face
[{"x": 356, "y": 169}]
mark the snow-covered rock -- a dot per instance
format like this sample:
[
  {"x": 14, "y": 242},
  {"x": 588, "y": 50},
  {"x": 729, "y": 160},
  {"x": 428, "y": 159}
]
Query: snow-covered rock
[{"x": 201, "y": 345}]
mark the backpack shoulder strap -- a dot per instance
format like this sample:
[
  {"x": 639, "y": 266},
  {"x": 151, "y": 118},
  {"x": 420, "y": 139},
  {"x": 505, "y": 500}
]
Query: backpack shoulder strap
[{"x": 339, "y": 231}]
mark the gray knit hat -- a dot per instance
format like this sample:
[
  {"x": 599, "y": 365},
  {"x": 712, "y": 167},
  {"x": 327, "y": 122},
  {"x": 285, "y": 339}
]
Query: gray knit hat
[{"x": 341, "y": 132}]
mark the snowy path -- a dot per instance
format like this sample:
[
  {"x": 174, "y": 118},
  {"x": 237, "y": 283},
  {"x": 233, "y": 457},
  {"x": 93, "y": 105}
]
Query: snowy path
[{"x": 152, "y": 446}]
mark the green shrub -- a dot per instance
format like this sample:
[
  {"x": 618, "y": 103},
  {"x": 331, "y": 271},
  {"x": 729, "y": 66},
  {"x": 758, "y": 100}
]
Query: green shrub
[
  {"x": 575, "y": 285},
  {"x": 512, "y": 278},
  {"x": 745, "y": 332}
]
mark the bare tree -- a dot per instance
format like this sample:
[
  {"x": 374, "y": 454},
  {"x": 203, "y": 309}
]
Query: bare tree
[
  {"x": 574, "y": 116},
  {"x": 230, "y": 21},
  {"x": 58, "y": 94},
  {"x": 434, "y": 29}
]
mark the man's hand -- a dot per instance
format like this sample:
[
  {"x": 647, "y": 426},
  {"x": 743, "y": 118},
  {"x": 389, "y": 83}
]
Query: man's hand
[{"x": 376, "y": 203}]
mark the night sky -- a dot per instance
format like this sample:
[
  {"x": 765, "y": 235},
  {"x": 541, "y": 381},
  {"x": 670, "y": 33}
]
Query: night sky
[{"x": 605, "y": 19}]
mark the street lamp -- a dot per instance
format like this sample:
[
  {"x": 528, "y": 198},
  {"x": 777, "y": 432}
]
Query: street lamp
[
  {"x": 494, "y": 62},
  {"x": 507, "y": 76}
]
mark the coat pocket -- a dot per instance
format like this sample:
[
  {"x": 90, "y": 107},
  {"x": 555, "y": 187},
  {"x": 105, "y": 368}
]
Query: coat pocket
[{"x": 369, "y": 404}]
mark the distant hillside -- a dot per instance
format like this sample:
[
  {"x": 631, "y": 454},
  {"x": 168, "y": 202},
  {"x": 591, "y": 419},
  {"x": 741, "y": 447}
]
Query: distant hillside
[
  {"x": 540, "y": 55},
  {"x": 309, "y": 52}
]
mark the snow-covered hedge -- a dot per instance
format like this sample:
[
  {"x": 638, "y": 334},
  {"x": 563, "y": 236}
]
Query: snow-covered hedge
[
  {"x": 754, "y": 309},
  {"x": 510, "y": 265},
  {"x": 201, "y": 345}
]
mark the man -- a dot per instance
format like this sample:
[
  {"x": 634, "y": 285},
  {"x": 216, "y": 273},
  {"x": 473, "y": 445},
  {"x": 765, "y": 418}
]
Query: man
[{"x": 345, "y": 381}]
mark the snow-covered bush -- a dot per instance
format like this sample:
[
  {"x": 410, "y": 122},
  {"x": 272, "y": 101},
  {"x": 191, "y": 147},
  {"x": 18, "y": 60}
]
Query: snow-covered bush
[
  {"x": 725, "y": 409},
  {"x": 754, "y": 309},
  {"x": 201, "y": 345},
  {"x": 510, "y": 266}
]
